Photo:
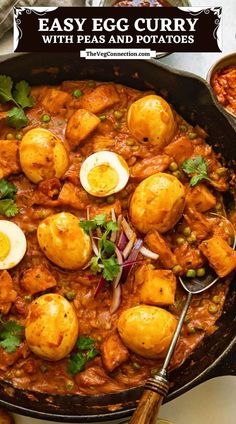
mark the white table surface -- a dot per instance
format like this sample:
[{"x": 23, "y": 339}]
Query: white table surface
[{"x": 213, "y": 402}]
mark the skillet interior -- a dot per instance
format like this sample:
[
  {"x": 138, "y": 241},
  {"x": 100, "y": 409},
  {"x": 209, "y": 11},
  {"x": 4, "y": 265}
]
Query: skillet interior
[{"x": 192, "y": 98}]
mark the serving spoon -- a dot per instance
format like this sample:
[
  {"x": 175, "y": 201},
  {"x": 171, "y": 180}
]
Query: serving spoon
[{"x": 157, "y": 387}]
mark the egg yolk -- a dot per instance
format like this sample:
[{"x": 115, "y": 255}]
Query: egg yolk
[
  {"x": 103, "y": 178},
  {"x": 5, "y": 246}
]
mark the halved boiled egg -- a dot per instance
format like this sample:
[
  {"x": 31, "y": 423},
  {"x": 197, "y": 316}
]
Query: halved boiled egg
[
  {"x": 104, "y": 173},
  {"x": 12, "y": 244}
]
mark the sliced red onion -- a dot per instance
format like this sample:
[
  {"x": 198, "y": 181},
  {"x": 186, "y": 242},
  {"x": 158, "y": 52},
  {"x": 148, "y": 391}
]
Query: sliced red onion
[
  {"x": 119, "y": 219},
  {"x": 127, "y": 229},
  {"x": 122, "y": 242},
  {"x": 116, "y": 299},
  {"x": 148, "y": 253},
  {"x": 131, "y": 258},
  {"x": 94, "y": 246},
  {"x": 100, "y": 285},
  {"x": 129, "y": 246},
  {"x": 120, "y": 262},
  {"x": 113, "y": 234}
]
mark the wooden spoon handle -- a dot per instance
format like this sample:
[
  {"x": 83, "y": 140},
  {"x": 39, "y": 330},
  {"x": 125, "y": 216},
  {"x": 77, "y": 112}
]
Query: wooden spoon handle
[{"x": 151, "y": 400}]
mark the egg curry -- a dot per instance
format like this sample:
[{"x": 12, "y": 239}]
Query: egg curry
[{"x": 107, "y": 195}]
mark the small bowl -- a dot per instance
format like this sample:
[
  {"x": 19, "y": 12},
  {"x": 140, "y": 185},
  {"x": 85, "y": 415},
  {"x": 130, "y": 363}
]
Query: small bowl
[{"x": 223, "y": 62}]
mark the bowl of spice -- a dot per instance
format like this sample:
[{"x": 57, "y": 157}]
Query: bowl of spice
[{"x": 222, "y": 78}]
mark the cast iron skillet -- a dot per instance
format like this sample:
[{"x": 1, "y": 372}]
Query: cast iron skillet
[{"x": 191, "y": 97}]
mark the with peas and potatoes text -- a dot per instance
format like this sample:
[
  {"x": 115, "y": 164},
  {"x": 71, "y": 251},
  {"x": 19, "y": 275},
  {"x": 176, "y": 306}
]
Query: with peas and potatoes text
[{"x": 106, "y": 196}]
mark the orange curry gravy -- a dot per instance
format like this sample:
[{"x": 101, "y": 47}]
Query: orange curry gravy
[
  {"x": 224, "y": 85},
  {"x": 35, "y": 202}
]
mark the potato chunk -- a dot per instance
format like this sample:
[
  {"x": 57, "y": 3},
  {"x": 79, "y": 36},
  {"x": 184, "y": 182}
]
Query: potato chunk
[
  {"x": 158, "y": 244},
  {"x": 9, "y": 158},
  {"x": 180, "y": 150},
  {"x": 37, "y": 279},
  {"x": 7, "y": 293},
  {"x": 158, "y": 288},
  {"x": 80, "y": 125},
  {"x": 113, "y": 352},
  {"x": 198, "y": 223},
  {"x": 220, "y": 255},
  {"x": 54, "y": 100},
  {"x": 201, "y": 198},
  {"x": 73, "y": 196},
  {"x": 101, "y": 98}
]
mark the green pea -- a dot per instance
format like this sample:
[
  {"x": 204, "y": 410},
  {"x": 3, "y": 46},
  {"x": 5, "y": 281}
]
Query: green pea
[
  {"x": 192, "y": 135},
  {"x": 191, "y": 239},
  {"x": 117, "y": 125},
  {"x": 192, "y": 330},
  {"x": 118, "y": 114},
  {"x": 177, "y": 269},
  {"x": 69, "y": 385},
  {"x": 187, "y": 319},
  {"x": 183, "y": 128},
  {"x": 43, "y": 368},
  {"x": 28, "y": 298},
  {"x": 136, "y": 366},
  {"x": 70, "y": 295},
  {"x": 173, "y": 166},
  {"x": 77, "y": 93},
  {"x": 102, "y": 117},
  {"x": 177, "y": 174},
  {"x": 180, "y": 241},
  {"x": 154, "y": 371},
  {"x": 221, "y": 171},
  {"x": 187, "y": 231},
  {"x": 46, "y": 118},
  {"x": 213, "y": 309},
  {"x": 134, "y": 148},
  {"x": 191, "y": 273},
  {"x": 130, "y": 142},
  {"x": 99, "y": 338},
  {"x": 216, "y": 299},
  {"x": 201, "y": 272},
  {"x": 10, "y": 136},
  {"x": 110, "y": 199},
  {"x": 18, "y": 136}
]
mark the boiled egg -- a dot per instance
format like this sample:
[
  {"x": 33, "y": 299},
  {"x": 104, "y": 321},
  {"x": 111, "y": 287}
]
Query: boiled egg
[
  {"x": 104, "y": 173},
  {"x": 51, "y": 327},
  {"x": 12, "y": 244}
]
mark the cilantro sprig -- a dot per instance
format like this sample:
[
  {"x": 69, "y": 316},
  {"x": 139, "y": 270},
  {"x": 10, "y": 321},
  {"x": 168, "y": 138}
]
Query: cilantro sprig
[
  {"x": 106, "y": 261},
  {"x": 86, "y": 351},
  {"x": 20, "y": 96},
  {"x": 198, "y": 167},
  {"x": 10, "y": 335},
  {"x": 7, "y": 199}
]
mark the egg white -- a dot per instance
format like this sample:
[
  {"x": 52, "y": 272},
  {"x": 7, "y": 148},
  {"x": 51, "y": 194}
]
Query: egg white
[
  {"x": 17, "y": 241},
  {"x": 114, "y": 160}
]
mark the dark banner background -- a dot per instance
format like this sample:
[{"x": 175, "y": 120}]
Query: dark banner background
[{"x": 30, "y": 39}]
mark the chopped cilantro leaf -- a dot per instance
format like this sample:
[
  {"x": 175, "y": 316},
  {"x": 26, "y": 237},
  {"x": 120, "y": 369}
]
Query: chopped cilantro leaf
[
  {"x": 5, "y": 88},
  {"x": 78, "y": 361},
  {"x": 111, "y": 268},
  {"x": 85, "y": 343},
  {"x": 21, "y": 94},
  {"x": 17, "y": 118},
  {"x": 10, "y": 335},
  {"x": 8, "y": 208},
  {"x": 196, "y": 166},
  {"x": 7, "y": 190}
]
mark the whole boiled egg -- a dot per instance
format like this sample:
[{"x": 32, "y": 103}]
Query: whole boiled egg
[
  {"x": 51, "y": 327},
  {"x": 151, "y": 120},
  {"x": 104, "y": 173},
  {"x": 63, "y": 241},
  {"x": 12, "y": 244},
  {"x": 157, "y": 203},
  {"x": 147, "y": 330},
  {"x": 42, "y": 155}
]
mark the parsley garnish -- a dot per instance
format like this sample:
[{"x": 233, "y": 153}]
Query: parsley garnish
[
  {"x": 20, "y": 96},
  {"x": 196, "y": 166},
  {"x": 10, "y": 336},
  {"x": 87, "y": 351},
  {"x": 106, "y": 261},
  {"x": 7, "y": 199}
]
